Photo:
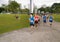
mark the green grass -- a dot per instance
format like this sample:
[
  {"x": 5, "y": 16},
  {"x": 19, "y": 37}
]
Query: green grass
[
  {"x": 56, "y": 17},
  {"x": 8, "y": 22}
]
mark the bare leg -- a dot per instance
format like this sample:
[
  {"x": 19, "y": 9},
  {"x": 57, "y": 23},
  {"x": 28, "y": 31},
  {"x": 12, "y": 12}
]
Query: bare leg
[
  {"x": 32, "y": 28},
  {"x": 50, "y": 24}
]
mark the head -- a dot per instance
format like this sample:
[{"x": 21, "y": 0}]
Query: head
[
  {"x": 31, "y": 15},
  {"x": 35, "y": 14},
  {"x": 44, "y": 14}
]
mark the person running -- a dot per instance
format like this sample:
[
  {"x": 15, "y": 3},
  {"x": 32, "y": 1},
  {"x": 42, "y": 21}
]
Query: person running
[
  {"x": 16, "y": 16},
  {"x": 31, "y": 19},
  {"x": 44, "y": 18},
  {"x": 36, "y": 19},
  {"x": 50, "y": 20}
]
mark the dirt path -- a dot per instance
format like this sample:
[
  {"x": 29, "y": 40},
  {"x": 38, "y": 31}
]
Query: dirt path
[{"x": 41, "y": 34}]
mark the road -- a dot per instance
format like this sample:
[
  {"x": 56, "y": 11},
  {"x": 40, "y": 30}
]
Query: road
[{"x": 43, "y": 33}]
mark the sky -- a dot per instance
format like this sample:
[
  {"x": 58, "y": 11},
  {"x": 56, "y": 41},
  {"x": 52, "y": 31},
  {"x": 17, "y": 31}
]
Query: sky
[{"x": 38, "y": 3}]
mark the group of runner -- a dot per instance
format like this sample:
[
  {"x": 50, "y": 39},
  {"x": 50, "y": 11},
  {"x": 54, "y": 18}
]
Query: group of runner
[
  {"x": 35, "y": 20},
  {"x": 47, "y": 18}
]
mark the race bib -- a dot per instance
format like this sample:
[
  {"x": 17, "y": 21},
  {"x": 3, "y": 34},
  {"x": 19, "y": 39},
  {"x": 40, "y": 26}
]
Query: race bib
[
  {"x": 50, "y": 19},
  {"x": 31, "y": 21}
]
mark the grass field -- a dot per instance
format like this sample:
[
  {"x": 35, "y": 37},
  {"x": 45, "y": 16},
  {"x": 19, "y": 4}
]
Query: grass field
[
  {"x": 8, "y": 22},
  {"x": 56, "y": 17}
]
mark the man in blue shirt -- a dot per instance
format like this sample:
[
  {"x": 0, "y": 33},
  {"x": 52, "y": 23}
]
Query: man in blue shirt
[
  {"x": 31, "y": 19},
  {"x": 44, "y": 18},
  {"x": 50, "y": 20}
]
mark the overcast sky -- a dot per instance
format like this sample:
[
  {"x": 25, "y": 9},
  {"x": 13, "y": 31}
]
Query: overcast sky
[{"x": 38, "y": 3}]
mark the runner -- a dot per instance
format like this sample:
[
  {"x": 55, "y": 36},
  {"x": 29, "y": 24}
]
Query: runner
[
  {"x": 50, "y": 20},
  {"x": 36, "y": 19},
  {"x": 44, "y": 19},
  {"x": 16, "y": 16},
  {"x": 31, "y": 19}
]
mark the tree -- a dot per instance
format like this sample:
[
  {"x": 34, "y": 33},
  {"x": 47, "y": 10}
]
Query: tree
[
  {"x": 56, "y": 8},
  {"x": 25, "y": 11},
  {"x": 1, "y": 9},
  {"x": 13, "y": 6},
  {"x": 47, "y": 9},
  {"x": 42, "y": 9}
]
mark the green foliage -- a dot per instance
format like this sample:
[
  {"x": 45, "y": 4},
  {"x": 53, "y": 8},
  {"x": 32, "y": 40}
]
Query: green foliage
[
  {"x": 8, "y": 22},
  {"x": 25, "y": 11},
  {"x": 56, "y": 8},
  {"x": 47, "y": 9},
  {"x": 13, "y": 6},
  {"x": 56, "y": 17},
  {"x": 1, "y": 9},
  {"x": 41, "y": 9}
]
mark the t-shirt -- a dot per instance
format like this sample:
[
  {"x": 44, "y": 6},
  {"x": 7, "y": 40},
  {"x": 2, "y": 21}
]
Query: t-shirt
[
  {"x": 31, "y": 20},
  {"x": 50, "y": 18},
  {"x": 36, "y": 18},
  {"x": 44, "y": 17}
]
